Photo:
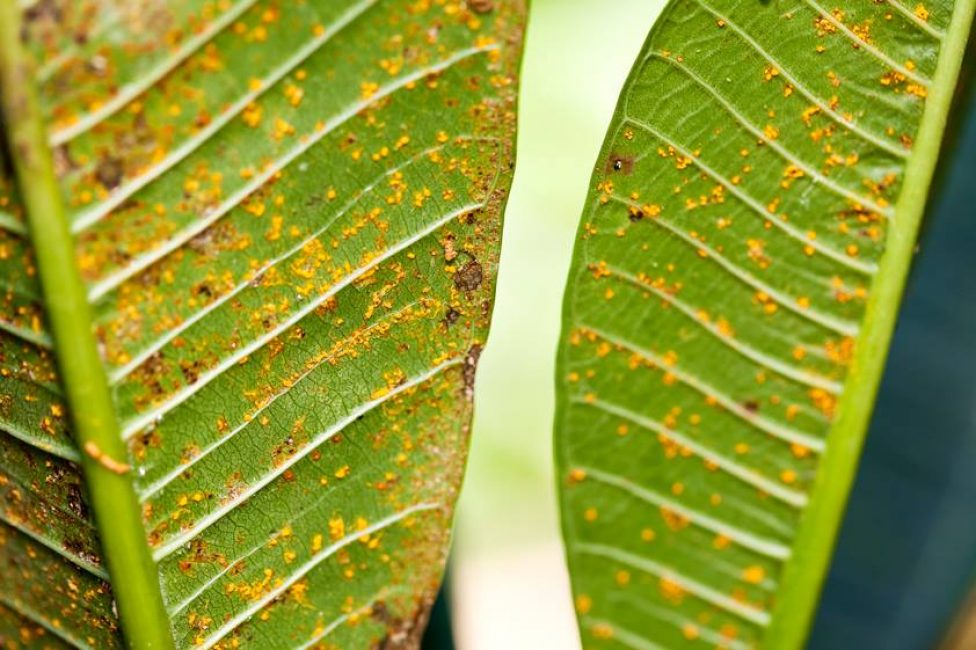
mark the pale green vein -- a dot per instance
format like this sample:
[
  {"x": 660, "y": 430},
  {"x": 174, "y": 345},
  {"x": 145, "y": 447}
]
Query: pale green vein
[
  {"x": 851, "y": 125},
  {"x": 212, "y": 517},
  {"x": 149, "y": 491},
  {"x": 133, "y": 89},
  {"x": 30, "y": 614},
  {"x": 737, "y": 470},
  {"x": 747, "y": 539},
  {"x": 146, "y": 259},
  {"x": 334, "y": 625},
  {"x": 304, "y": 569},
  {"x": 61, "y": 450},
  {"x": 40, "y": 339},
  {"x": 861, "y": 44},
  {"x": 823, "y": 319},
  {"x": 755, "y": 355},
  {"x": 754, "y": 420},
  {"x": 308, "y": 508},
  {"x": 693, "y": 587},
  {"x": 12, "y": 224},
  {"x": 140, "y": 357},
  {"x": 623, "y": 635},
  {"x": 784, "y": 153},
  {"x": 924, "y": 25},
  {"x": 89, "y": 217},
  {"x": 682, "y": 623},
  {"x": 865, "y": 268},
  {"x": 76, "y": 560},
  {"x": 140, "y": 422}
]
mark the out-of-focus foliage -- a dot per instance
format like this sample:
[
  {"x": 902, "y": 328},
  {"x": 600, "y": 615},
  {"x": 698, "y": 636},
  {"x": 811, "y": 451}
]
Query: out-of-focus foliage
[{"x": 510, "y": 589}]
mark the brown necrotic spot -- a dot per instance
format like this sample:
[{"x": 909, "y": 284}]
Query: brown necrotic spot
[
  {"x": 80, "y": 549},
  {"x": 451, "y": 316},
  {"x": 469, "y": 277},
  {"x": 401, "y": 633},
  {"x": 481, "y": 6},
  {"x": 75, "y": 501},
  {"x": 618, "y": 163},
  {"x": 109, "y": 172},
  {"x": 471, "y": 369}
]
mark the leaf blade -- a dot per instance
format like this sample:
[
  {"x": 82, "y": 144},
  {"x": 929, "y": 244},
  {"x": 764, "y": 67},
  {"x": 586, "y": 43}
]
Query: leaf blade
[
  {"x": 287, "y": 218},
  {"x": 714, "y": 303}
]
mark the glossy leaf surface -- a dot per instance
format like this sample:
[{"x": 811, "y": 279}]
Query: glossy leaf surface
[
  {"x": 737, "y": 272},
  {"x": 287, "y": 216}
]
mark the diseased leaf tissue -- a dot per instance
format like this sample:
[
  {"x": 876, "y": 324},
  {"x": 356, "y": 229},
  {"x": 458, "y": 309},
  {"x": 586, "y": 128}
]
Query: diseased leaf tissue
[
  {"x": 287, "y": 216},
  {"x": 734, "y": 259}
]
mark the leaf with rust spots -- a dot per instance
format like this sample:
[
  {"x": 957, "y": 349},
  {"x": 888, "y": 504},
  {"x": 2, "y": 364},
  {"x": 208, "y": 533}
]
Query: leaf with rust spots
[
  {"x": 737, "y": 273},
  {"x": 285, "y": 220}
]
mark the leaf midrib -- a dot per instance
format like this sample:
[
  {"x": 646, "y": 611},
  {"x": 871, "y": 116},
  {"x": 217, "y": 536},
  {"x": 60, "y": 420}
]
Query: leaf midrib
[
  {"x": 117, "y": 512},
  {"x": 804, "y": 575}
]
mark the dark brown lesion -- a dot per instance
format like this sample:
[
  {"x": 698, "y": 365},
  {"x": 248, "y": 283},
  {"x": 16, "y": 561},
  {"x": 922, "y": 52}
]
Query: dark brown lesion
[
  {"x": 481, "y": 6},
  {"x": 402, "y": 633},
  {"x": 452, "y": 316},
  {"x": 470, "y": 276},
  {"x": 620, "y": 164},
  {"x": 470, "y": 369},
  {"x": 109, "y": 172}
]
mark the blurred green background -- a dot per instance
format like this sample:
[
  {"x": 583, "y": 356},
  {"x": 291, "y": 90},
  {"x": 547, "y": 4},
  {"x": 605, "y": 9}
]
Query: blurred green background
[
  {"x": 907, "y": 550},
  {"x": 509, "y": 584}
]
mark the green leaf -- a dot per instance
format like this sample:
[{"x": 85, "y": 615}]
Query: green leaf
[
  {"x": 737, "y": 275},
  {"x": 249, "y": 251}
]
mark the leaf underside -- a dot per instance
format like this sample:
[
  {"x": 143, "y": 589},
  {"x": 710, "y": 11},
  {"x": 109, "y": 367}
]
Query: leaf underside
[
  {"x": 287, "y": 216},
  {"x": 732, "y": 236}
]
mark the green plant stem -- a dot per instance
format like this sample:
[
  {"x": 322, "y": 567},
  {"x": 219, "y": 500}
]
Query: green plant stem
[
  {"x": 804, "y": 575},
  {"x": 117, "y": 513}
]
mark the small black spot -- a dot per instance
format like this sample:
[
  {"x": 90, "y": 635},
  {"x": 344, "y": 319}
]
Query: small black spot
[
  {"x": 80, "y": 549},
  {"x": 620, "y": 164},
  {"x": 751, "y": 405},
  {"x": 109, "y": 172},
  {"x": 380, "y": 612},
  {"x": 451, "y": 316},
  {"x": 76, "y": 501}
]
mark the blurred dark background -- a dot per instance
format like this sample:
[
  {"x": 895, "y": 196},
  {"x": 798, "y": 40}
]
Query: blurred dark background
[{"x": 907, "y": 551}]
